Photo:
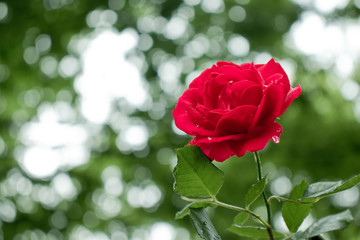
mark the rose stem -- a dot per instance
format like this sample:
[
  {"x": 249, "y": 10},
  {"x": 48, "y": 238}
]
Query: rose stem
[{"x": 258, "y": 163}]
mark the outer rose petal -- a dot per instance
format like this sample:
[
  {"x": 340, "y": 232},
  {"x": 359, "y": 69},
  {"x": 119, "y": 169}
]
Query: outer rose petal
[
  {"x": 184, "y": 122},
  {"x": 292, "y": 94},
  {"x": 260, "y": 137},
  {"x": 217, "y": 148},
  {"x": 211, "y": 140},
  {"x": 272, "y": 68},
  {"x": 231, "y": 72},
  {"x": 187, "y": 117},
  {"x": 270, "y": 105},
  {"x": 200, "y": 80},
  {"x": 218, "y": 152},
  {"x": 238, "y": 73}
]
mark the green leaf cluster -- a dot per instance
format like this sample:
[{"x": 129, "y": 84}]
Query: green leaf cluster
[
  {"x": 198, "y": 181},
  {"x": 302, "y": 199}
]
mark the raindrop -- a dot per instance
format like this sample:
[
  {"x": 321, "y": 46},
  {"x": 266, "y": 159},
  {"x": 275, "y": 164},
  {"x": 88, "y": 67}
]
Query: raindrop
[
  {"x": 276, "y": 139},
  {"x": 209, "y": 138}
]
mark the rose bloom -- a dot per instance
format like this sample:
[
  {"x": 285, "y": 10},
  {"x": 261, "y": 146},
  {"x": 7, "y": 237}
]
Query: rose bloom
[{"x": 231, "y": 109}]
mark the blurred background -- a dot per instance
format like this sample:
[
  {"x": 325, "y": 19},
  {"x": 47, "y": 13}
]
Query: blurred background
[{"x": 87, "y": 89}]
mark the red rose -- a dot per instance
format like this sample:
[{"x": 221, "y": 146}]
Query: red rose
[{"x": 231, "y": 109}]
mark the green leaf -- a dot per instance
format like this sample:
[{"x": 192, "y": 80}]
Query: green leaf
[
  {"x": 254, "y": 192},
  {"x": 241, "y": 218},
  {"x": 186, "y": 210},
  {"x": 326, "y": 224},
  {"x": 202, "y": 223},
  {"x": 195, "y": 175},
  {"x": 320, "y": 188},
  {"x": 324, "y": 189},
  {"x": 295, "y": 213},
  {"x": 254, "y": 232}
]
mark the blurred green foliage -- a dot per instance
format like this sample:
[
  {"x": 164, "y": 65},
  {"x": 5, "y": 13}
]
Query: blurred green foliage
[{"x": 321, "y": 139}]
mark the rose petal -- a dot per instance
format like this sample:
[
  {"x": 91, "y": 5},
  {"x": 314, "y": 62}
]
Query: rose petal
[
  {"x": 213, "y": 116},
  {"x": 239, "y": 87},
  {"x": 185, "y": 119},
  {"x": 292, "y": 94},
  {"x": 271, "y": 104},
  {"x": 259, "y": 67},
  {"x": 193, "y": 96},
  {"x": 237, "y": 120},
  {"x": 218, "y": 152},
  {"x": 224, "y": 98},
  {"x": 223, "y": 63},
  {"x": 235, "y": 73},
  {"x": 199, "y": 82},
  {"x": 213, "y": 87},
  {"x": 217, "y": 148},
  {"x": 231, "y": 73},
  {"x": 252, "y": 75},
  {"x": 245, "y": 66},
  {"x": 272, "y": 68},
  {"x": 258, "y": 139},
  {"x": 273, "y": 78},
  {"x": 251, "y": 96},
  {"x": 217, "y": 139}
]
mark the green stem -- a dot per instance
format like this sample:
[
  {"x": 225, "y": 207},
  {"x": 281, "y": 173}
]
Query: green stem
[
  {"x": 288, "y": 200},
  {"x": 229, "y": 206},
  {"x": 236, "y": 208},
  {"x": 258, "y": 164}
]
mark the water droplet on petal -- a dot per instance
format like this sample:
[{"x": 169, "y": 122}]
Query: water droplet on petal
[
  {"x": 231, "y": 81},
  {"x": 209, "y": 138},
  {"x": 197, "y": 125},
  {"x": 276, "y": 139}
]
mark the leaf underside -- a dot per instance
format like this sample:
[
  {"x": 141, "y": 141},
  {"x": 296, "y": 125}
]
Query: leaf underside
[
  {"x": 203, "y": 224},
  {"x": 326, "y": 224},
  {"x": 324, "y": 189},
  {"x": 186, "y": 210}
]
